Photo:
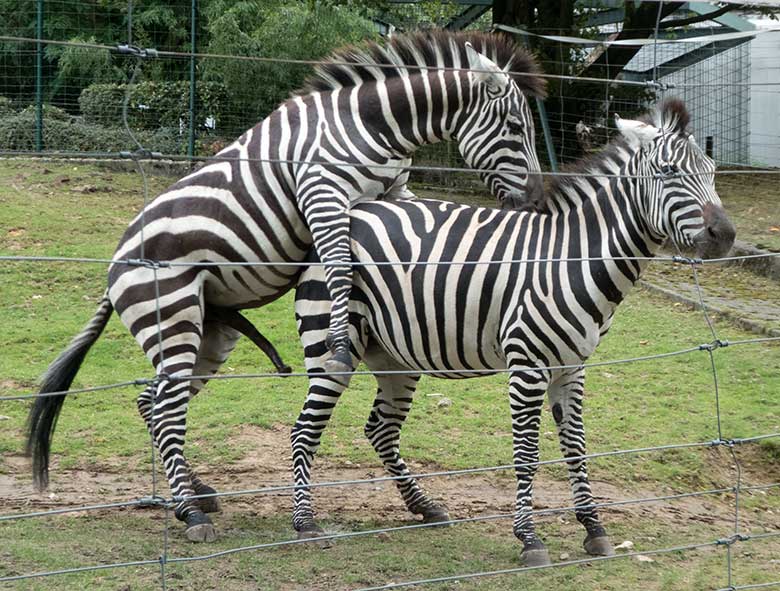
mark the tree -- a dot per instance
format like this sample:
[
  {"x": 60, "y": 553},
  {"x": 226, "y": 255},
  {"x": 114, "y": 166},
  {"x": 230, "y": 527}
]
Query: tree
[
  {"x": 571, "y": 101},
  {"x": 271, "y": 28}
]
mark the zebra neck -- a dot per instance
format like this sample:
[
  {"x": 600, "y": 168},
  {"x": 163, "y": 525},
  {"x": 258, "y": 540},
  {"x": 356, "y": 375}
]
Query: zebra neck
[
  {"x": 605, "y": 214},
  {"x": 404, "y": 114}
]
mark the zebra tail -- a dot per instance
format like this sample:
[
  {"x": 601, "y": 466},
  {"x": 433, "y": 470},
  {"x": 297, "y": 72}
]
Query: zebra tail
[{"x": 58, "y": 377}]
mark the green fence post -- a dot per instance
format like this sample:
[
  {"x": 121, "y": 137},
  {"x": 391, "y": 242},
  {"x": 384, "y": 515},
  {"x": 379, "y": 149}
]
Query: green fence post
[
  {"x": 548, "y": 141},
  {"x": 193, "y": 21},
  {"x": 39, "y": 79}
]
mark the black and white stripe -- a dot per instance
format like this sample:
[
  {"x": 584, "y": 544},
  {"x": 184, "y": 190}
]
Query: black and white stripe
[
  {"x": 527, "y": 317},
  {"x": 287, "y": 184}
]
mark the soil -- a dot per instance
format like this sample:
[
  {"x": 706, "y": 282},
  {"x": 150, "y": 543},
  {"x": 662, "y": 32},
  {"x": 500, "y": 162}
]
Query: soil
[{"x": 464, "y": 495}]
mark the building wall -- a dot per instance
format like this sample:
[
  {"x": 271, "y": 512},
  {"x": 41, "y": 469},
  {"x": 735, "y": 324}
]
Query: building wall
[{"x": 765, "y": 100}]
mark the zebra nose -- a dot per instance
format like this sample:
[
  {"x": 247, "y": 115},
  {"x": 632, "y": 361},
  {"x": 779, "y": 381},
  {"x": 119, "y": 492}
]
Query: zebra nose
[
  {"x": 534, "y": 189},
  {"x": 529, "y": 199},
  {"x": 718, "y": 235}
]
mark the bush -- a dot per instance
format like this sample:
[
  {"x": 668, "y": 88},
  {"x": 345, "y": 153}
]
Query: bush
[
  {"x": 6, "y": 106},
  {"x": 151, "y": 105},
  {"x": 72, "y": 134}
]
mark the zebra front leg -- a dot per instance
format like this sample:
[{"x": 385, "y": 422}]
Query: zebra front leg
[
  {"x": 327, "y": 216},
  {"x": 383, "y": 429},
  {"x": 526, "y": 397},
  {"x": 566, "y": 396}
]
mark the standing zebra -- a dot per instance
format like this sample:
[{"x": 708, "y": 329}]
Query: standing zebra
[
  {"x": 525, "y": 316},
  {"x": 283, "y": 185}
]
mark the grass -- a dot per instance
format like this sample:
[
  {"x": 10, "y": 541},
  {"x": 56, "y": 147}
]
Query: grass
[
  {"x": 371, "y": 560},
  {"x": 627, "y": 406}
]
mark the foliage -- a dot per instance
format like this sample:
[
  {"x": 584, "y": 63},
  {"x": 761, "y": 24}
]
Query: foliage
[
  {"x": 6, "y": 106},
  {"x": 66, "y": 133},
  {"x": 283, "y": 30},
  {"x": 151, "y": 104}
]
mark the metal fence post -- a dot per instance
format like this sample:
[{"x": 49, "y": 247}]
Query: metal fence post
[
  {"x": 39, "y": 78},
  {"x": 193, "y": 22}
]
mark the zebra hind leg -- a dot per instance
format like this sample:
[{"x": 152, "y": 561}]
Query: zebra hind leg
[
  {"x": 312, "y": 309},
  {"x": 526, "y": 396},
  {"x": 207, "y": 504},
  {"x": 566, "y": 396},
  {"x": 383, "y": 429}
]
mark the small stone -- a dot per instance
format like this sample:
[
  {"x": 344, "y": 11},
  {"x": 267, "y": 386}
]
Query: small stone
[
  {"x": 85, "y": 189},
  {"x": 444, "y": 403},
  {"x": 4, "y": 418},
  {"x": 643, "y": 558},
  {"x": 564, "y": 556},
  {"x": 434, "y": 394},
  {"x": 627, "y": 545}
]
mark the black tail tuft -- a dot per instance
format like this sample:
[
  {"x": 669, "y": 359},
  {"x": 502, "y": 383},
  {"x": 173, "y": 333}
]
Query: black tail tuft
[{"x": 58, "y": 377}]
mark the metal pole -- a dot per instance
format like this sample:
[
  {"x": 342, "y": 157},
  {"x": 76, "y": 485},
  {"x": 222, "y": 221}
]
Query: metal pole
[
  {"x": 193, "y": 21},
  {"x": 547, "y": 134},
  {"x": 39, "y": 79}
]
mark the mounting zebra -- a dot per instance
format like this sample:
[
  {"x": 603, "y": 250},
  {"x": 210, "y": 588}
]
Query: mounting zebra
[
  {"x": 528, "y": 317},
  {"x": 283, "y": 185}
]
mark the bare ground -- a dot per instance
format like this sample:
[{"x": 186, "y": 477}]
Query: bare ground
[{"x": 465, "y": 495}]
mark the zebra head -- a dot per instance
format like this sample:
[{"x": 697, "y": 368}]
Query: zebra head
[
  {"x": 678, "y": 197},
  {"x": 497, "y": 136}
]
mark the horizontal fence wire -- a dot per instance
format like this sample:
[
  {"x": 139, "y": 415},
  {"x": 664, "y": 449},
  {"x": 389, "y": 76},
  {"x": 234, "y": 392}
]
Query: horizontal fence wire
[
  {"x": 154, "y": 500},
  {"x": 151, "y": 53},
  {"x": 151, "y": 263},
  {"x": 149, "y": 157},
  {"x": 717, "y": 344}
]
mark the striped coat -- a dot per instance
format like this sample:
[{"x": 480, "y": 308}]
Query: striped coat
[
  {"x": 540, "y": 316},
  {"x": 283, "y": 186}
]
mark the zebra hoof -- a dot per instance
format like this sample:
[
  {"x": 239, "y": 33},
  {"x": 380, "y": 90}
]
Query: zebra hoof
[
  {"x": 535, "y": 557},
  {"x": 284, "y": 370},
  {"x": 598, "y": 546},
  {"x": 203, "y": 532},
  {"x": 313, "y": 533},
  {"x": 436, "y": 514},
  {"x": 199, "y": 527}
]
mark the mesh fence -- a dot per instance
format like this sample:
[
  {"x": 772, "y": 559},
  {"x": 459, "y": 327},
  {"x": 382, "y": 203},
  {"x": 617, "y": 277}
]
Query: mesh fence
[{"x": 164, "y": 122}]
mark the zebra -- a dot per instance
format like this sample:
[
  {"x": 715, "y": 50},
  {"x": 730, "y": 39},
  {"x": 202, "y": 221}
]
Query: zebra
[
  {"x": 527, "y": 317},
  {"x": 282, "y": 186}
]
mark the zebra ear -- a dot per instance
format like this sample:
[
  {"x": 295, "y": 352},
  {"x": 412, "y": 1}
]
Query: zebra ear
[
  {"x": 495, "y": 78},
  {"x": 637, "y": 133}
]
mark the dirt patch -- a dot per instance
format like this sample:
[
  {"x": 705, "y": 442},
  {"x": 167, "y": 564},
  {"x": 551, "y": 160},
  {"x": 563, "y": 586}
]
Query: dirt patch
[{"x": 471, "y": 495}]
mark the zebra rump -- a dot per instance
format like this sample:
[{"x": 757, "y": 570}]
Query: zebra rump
[{"x": 43, "y": 416}]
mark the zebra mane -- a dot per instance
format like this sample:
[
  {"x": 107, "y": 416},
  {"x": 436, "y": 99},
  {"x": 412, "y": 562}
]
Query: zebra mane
[
  {"x": 432, "y": 49},
  {"x": 671, "y": 115}
]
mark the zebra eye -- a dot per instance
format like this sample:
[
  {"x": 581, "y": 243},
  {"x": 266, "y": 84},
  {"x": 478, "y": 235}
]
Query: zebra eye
[{"x": 514, "y": 127}]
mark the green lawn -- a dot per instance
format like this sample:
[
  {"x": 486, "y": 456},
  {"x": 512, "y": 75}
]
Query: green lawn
[{"x": 627, "y": 406}]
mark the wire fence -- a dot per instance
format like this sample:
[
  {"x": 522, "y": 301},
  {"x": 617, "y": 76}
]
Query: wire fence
[{"x": 139, "y": 155}]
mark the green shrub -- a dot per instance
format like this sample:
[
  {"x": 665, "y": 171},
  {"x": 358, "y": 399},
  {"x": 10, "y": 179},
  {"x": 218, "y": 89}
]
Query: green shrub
[
  {"x": 6, "y": 106},
  {"x": 151, "y": 105},
  {"x": 50, "y": 112},
  {"x": 72, "y": 134}
]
